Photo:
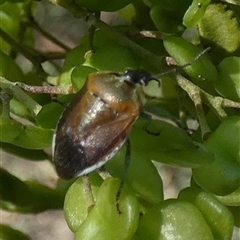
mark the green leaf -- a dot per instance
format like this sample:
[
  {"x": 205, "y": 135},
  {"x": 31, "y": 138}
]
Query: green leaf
[
  {"x": 15, "y": 194},
  {"x": 212, "y": 211},
  {"x": 25, "y": 136},
  {"x": 77, "y": 202},
  {"x": 236, "y": 214},
  {"x": 233, "y": 199},
  {"x": 49, "y": 115},
  {"x": 107, "y": 221},
  {"x": 224, "y": 172},
  {"x": 111, "y": 58},
  {"x": 2, "y": 1},
  {"x": 79, "y": 76},
  {"x": 174, "y": 219},
  {"x": 171, "y": 146},
  {"x": 9, "y": 129},
  {"x": 8, "y": 233},
  {"x": 202, "y": 70},
  {"x": 77, "y": 55},
  {"x": 11, "y": 17},
  {"x": 43, "y": 197},
  {"x": 19, "y": 109},
  {"x": 195, "y": 12},
  {"x": 35, "y": 137},
  {"x": 7, "y": 63},
  {"x": 164, "y": 21},
  {"x": 28, "y": 196},
  {"x": 150, "y": 189},
  {"x": 226, "y": 137},
  {"x": 228, "y": 84},
  {"x": 33, "y": 155},
  {"x": 217, "y": 25}
]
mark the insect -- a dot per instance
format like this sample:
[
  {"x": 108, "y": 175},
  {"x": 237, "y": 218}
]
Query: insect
[{"x": 95, "y": 125}]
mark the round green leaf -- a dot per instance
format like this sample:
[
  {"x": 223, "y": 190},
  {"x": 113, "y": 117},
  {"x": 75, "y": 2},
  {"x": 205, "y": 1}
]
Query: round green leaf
[
  {"x": 79, "y": 76},
  {"x": 195, "y": 12},
  {"x": 212, "y": 31},
  {"x": 184, "y": 52},
  {"x": 173, "y": 219},
  {"x": 109, "y": 219},
  {"x": 224, "y": 172},
  {"x": 164, "y": 21},
  {"x": 228, "y": 84},
  {"x": 77, "y": 202},
  {"x": 218, "y": 217},
  {"x": 233, "y": 199},
  {"x": 49, "y": 115},
  {"x": 111, "y": 58},
  {"x": 150, "y": 189}
]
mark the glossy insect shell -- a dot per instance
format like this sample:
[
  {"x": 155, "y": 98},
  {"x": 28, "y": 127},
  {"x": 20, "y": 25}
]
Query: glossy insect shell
[{"x": 96, "y": 123}]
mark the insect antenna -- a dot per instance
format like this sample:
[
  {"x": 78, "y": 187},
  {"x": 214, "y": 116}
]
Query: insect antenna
[{"x": 173, "y": 70}]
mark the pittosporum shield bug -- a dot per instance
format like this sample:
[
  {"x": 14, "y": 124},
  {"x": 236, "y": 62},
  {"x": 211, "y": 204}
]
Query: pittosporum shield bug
[
  {"x": 95, "y": 125},
  {"x": 97, "y": 122}
]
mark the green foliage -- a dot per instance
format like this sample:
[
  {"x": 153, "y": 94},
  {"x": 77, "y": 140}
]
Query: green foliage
[
  {"x": 173, "y": 218},
  {"x": 228, "y": 84},
  {"x": 206, "y": 91},
  {"x": 211, "y": 30},
  {"x": 212, "y": 211},
  {"x": 27, "y": 196},
  {"x": 105, "y": 212},
  {"x": 10, "y": 233}
]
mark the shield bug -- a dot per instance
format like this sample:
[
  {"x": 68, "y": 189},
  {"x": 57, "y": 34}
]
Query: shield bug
[
  {"x": 97, "y": 122},
  {"x": 95, "y": 125}
]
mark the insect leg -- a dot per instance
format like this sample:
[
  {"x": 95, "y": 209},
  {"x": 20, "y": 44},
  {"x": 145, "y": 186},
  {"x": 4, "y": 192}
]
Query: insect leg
[
  {"x": 148, "y": 118},
  {"x": 88, "y": 189}
]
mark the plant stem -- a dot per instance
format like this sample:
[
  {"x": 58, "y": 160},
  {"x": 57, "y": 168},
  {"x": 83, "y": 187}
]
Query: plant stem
[
  {"x": 88, "y": 190},
  {"x": 52, "y": 55},
  {"x": 71, "y": 6},
  {"x": 12, "y": 89},
  {"x": 31, "y": 23},
  {"x": 36, "y": 60},
  {"x": 194, "y": 93},
  {"x": 197, "y": 94},
  {"x": 20, "y": 48},
  {"x": 43, "y": 89},
  {"x": 229, "y": 103},
  {"x": 5, "y": 103}
]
